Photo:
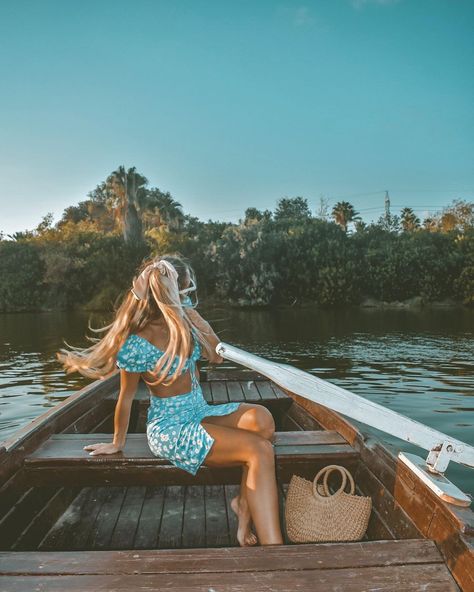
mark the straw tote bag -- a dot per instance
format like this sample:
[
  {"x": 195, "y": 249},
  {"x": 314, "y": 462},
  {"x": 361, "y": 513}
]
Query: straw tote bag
[{"x": 312, "y": 514}]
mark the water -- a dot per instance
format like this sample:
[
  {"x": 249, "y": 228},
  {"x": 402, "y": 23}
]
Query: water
[{"x": 418, "y": 363}]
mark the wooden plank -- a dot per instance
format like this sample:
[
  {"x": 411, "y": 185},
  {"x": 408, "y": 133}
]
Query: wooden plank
[
  {"x": 234, "y": 390},
  {"x": 233, "y": 374},
  {"x": 11, "y": 490},
  {"x": 172, "y": 520},
  {"x": 456, "y": 549},
  {"x": 194, "y": 521},
  {"x": 206, "y": 392},
  {"x": 282, "y": 493},
  {"x": 217, "y": 526},
  {"x": 329, "y": 419},
  {"x": 230, "y": 492},
  {"x": 72, "y": 530},
  {"x": 315, "y": 451},
  {"x": 124, "y": 532},
  {"x": 148, "y": 527},
  {"x": 393, "y": 516},
  {"x": 377, "y": 529},
  {"x": 43, "y": 521},
  {"x": 135, "y": 472},
  {"x": 70, "y": 447},
  {"x": 219, "y": 392},
  {"x": 409, "y": 578},
  {"x": 265, "y": 389},
  {"x": 104, "y": 524},
  {"x": 214, "y": 560},
  {"x": 89, "y": 419},
  {"x": 250, "y": 390},
  {"x": 432, "y": 516},
  {"x": 309, "y": 437},
  {"x": 289, "y": 424},
  {"x": 303, "y": 419},
  {"x": 62, "y": 460},
  {"x": 22, "y": 513},
  {"x": 279, "y": 392},
  {"x": 106, "y": 425}
]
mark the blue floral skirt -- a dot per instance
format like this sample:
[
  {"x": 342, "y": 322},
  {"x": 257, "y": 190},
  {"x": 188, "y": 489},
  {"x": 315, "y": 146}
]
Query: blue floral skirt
[{"x": 174, "y": 430}]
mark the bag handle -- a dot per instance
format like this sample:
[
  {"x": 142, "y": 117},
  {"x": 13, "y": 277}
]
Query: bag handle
[{"x": 326, "y": 471}]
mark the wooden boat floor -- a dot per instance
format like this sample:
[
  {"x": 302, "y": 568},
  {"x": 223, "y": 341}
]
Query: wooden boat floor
[
  {"x": 407, "y": 565},
  {"x": 140, "y": 517}
]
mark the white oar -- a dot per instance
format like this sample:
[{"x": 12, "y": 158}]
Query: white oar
[{"x": 442, "y": 448}]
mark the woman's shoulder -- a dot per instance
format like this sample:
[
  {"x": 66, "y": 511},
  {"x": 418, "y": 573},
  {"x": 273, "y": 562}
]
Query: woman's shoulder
[{"x": 132, "y": 355}]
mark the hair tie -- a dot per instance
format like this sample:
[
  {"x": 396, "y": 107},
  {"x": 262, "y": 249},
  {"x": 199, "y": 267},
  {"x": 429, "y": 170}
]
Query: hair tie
[{"x": 140, "y": 285}]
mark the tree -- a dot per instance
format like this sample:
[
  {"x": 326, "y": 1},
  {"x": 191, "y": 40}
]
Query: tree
[
  {"x": 343, "y": 213},
  {"x": 409, "y": 220},
  {"x": 253, "y": 215},
  {"x": 161, "y": 209},
  {"x": 323, "y": 208},
  {"x": 127, "y": 190},
  {"x": 457, "y": 216},
  {"x": 292, "y": 209},
  {"x": 45, "y": 224},
  {"x": 389, "y": 222}
]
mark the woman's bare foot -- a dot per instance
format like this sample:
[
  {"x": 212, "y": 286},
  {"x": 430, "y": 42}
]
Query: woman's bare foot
[{"x": 245, "y": 536}]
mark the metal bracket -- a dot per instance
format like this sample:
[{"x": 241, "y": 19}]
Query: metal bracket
[{"x": 438, "y": 459}]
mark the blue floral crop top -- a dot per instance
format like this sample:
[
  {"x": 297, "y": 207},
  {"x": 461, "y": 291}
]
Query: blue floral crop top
[{"x": 137, "y": 354}]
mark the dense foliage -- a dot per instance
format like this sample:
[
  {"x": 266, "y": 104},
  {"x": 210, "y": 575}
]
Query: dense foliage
[{"x": 287, "y": 256}]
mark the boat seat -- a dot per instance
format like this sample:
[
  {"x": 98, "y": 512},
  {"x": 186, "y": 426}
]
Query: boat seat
[
  {"x": 61, "y": 460},
  {"x": 406, "y": 565}
]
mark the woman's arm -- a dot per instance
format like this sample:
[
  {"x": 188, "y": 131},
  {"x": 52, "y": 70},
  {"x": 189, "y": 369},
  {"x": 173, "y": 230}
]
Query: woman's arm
[
  {"x": 205, "y": 328},
  {"x": 128, "y": 388}
]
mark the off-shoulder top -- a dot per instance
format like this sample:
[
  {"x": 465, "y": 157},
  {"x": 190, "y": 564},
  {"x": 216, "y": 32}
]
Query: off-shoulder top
[{"x": 137, "y": 354}]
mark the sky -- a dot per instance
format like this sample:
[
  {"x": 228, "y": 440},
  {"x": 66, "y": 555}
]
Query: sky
[{"x": 229, "y": 104}]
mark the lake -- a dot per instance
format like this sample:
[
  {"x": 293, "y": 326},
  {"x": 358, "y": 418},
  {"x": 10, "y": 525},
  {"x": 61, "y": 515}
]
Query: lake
[{"x": 419, "y": 363}]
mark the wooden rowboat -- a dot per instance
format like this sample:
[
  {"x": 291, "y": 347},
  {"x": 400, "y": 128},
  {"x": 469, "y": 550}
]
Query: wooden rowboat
[{"x": 132, "y": 521}]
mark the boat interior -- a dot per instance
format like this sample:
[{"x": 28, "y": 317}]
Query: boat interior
[{"x": 55, "y": 498}]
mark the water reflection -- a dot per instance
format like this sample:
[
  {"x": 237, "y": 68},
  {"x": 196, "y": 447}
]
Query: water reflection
[{"x": 417, "y": 363}]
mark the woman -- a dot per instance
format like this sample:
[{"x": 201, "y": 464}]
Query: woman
[{"x": 158, "y": 335}]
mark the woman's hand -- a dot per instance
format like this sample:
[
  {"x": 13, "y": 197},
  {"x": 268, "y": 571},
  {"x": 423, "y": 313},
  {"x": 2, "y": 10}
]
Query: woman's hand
[{"x": 102, "y": 448}]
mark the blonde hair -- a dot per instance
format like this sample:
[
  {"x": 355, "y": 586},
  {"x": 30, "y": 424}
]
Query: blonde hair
[{"x": 162, "y": 300}]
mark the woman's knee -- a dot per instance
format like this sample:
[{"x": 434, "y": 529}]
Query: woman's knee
[
  {"x": 260, "y": 451},
  {"x": 261, "y": 421}
]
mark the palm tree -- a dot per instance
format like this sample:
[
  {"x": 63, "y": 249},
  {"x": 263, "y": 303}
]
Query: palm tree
[
  {"x": 126, "y": 189},
  {"x": 410, "y": 220},
  {"x": 160, "y": 209},
  {"x": 343, "y": 213}
]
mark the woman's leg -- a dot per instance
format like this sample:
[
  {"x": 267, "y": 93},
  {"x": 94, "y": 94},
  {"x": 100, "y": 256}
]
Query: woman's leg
[
  {"x": 254, "y": 418},
  {"x": 236, "y": 446}
]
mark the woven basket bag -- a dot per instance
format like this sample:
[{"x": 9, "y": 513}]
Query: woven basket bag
[{"x": 312, "y": 514}]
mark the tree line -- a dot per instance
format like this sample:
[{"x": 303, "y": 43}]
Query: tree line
[{"x": 286, "y": 256}]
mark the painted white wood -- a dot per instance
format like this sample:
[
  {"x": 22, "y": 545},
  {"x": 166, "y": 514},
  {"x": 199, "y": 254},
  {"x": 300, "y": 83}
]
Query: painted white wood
[
  {"x": 438, "y": 483},
  {"x": 343, "y": 401}
]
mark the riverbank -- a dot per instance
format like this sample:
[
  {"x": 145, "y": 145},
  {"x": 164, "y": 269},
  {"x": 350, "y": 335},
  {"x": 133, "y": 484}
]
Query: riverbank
[{"x": 415, "y": 303}]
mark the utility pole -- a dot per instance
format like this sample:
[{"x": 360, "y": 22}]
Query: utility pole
[{"x": 387, "y": 207}]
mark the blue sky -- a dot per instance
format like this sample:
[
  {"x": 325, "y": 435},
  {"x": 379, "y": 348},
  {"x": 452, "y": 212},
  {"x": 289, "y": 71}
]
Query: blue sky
[{"x": 234, "y": 103}]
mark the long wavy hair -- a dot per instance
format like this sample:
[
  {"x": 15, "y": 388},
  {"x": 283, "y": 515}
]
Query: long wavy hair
[{"x": 162, "y": 300}]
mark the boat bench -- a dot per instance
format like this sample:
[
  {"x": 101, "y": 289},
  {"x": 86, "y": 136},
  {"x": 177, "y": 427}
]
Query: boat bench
[
  {"x": 61, "y": 460},
  {"x": 405, "y": 565}
]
